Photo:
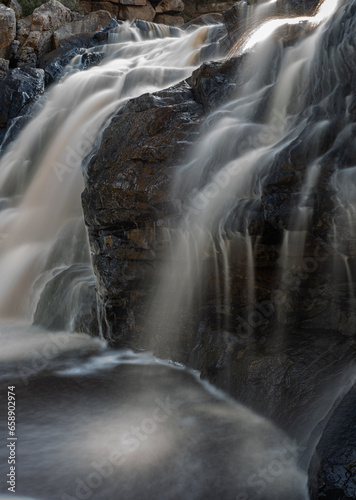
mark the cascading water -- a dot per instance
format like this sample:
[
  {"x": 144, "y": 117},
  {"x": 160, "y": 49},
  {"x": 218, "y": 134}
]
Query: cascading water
[
  {"x": 224, "y": 179},
  {"x": 41, "y": 179},
  {"x": 140, "y": 436},
  {"x": 152, "y": 429}
]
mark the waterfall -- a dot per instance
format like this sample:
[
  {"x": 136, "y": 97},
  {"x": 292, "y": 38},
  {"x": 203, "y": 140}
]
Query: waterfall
[
  {"x": 285, "y": 107},
  {"x": 222, "y": 185},
  {"x": 44, "y": 249}
]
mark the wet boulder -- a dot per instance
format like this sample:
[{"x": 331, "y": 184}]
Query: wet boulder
[
  {"x": 214, "y": 82},
  {"x": 127, "y": 193},
  {"x": 19, "y": 90},
  {"x": 303, "y": 6}
]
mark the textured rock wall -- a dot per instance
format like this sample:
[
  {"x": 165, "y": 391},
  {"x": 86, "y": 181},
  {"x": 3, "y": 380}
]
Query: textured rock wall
[{"x": 170, "y": 12}]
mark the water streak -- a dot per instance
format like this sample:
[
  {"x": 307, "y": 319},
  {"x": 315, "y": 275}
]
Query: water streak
[{"x": 41, "y": 176}]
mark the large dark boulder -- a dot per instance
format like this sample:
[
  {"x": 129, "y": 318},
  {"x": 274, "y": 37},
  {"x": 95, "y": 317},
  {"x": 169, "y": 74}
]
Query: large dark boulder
[
  {"x": 215, "y": 82},
  {"x": 127, "y": 194},
  {"x": 18, "y": 92}
]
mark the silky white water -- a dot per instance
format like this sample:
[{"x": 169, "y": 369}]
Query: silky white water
[
  {"x": 224, "y": 177},
  {"x": 41, "y": 176},
  {"x": 97, "y": 423}
]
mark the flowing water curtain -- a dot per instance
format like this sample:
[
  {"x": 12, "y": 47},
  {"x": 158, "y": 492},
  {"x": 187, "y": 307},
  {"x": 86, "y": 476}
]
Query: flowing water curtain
[
  {"x": 223, "y": 184},
  {"x": 41, "y": 176}
]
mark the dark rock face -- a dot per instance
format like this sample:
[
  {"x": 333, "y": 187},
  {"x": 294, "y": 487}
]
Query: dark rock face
[
  {"x": 127, "y": 193},
  {"x": 56, "y": 61},
  {"x": 214, "y": 83},
  {"x": 169, "y": 12},
  {"x": 332, "y": 469},
  {"x": 18, "y": 92}
]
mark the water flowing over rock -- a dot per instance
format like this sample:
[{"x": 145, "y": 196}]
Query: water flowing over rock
[
  {"x": 238, "y": 293},
  {"x": 155, "y": 132},
  {"x": 211, "y": 86},
  {"x": 219, "y": 197}
]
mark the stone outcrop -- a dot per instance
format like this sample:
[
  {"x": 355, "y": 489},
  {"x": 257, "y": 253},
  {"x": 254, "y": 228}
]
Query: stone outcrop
[
  {"x": 88, "y": 25},
  {"x": 35, "y": 32},
  {"x": 170, "y": 6},
  {"x": 121, "y": 215},
  {"x": 129, "y": 11},
  {"x": 14, "y": 4},
  {"x": 169, "y": 20},
  {"x": 170, "y": 12},
  {"x": 48, "y": 38},
  {"x": 49, "y": 27},
  {"x": 7, "y": 30}
]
